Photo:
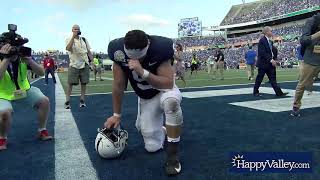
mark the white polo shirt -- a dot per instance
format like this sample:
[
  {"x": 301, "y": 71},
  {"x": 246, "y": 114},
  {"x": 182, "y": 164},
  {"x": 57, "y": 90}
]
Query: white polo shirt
[{"x": 79, "y": 54}]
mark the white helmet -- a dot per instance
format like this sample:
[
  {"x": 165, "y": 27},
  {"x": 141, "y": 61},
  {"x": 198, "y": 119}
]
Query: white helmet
[{"x": 110, "y": 143}]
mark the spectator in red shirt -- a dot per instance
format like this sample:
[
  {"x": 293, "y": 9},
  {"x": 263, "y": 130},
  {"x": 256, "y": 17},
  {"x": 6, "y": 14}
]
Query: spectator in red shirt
[{"x": 48, "y": 64}]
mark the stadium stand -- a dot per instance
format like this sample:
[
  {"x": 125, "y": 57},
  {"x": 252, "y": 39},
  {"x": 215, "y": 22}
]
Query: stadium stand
[
  {"x": 235, "y": 41},
  {"x": 234, "y": 54},
  {"x": 264, "y": 9}
]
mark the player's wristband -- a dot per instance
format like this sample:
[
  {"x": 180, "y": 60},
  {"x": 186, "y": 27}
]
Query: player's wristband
[
  {"x": 117, "y": 115},
  {"x": 145, "y": 74}
]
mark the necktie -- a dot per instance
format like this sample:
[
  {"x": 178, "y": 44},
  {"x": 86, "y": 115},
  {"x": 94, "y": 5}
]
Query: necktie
[{"x": 270, "y": 45}]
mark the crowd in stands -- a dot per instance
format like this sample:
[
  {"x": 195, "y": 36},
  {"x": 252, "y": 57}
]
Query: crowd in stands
[
  {"x": 235, "y": 54},
  {"x": 283, "y": 31},
  {"x": 248, "y": 37},
  {"x": 265, "y": 9},
  {"x": 219, "y": 40},
  {"x": 201, "y": 41},
  {"x": 286, "y": 50},
  {"x": 289, "y": 30}
]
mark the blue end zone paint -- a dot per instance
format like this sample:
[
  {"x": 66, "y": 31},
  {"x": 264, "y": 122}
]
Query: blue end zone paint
[
  {"x": 26, "y": 156},
  {"x": 212, "y": 129}
]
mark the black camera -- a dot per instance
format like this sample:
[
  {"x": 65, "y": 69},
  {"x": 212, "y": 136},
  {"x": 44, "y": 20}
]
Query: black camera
[{"x": 16, "y": 41}]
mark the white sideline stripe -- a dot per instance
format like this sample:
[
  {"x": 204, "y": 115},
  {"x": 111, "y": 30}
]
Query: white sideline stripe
[
  {"x": 280, "y": 105},
  {"x": 42, "y": 77},
  {"x": 229, "y": 92},
  {"x": 71, "y": 158},
  {"x": 316, "y": 84},
  {"x": 36, "y": 80}
]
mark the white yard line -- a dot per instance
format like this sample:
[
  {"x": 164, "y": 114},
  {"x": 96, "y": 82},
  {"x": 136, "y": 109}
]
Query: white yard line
[
  {"x": 281, "y": 104},
  {"x": 71, "y": 157},
  {"x": 197, "y": 87},
  {"x": 269, "y": 105},
  {"x": 104, "y": 78},
  {"x": 230, "y": 92},
  {"x": 241, "y": 77},
  {"x": 110, "y": 84},
  {"x": 228, "y": 85}
]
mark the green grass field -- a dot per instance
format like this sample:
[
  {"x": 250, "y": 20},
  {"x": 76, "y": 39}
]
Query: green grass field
[{"x": 202, "y": 79}]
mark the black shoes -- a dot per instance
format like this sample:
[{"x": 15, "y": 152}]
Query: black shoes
[
  {"x": 172, "y": 167},
  {"x": 283, "y": 94},
  {"x": 295, "y": 112},
  {"x": 82, "y": 103},
  {"x": 257, "y": 95},
  {"x": 67, "y": 105}
]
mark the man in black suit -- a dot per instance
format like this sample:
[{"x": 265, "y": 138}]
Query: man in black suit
[{"x": 267, "y": 56}]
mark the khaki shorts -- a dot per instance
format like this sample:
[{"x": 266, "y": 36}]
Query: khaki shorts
[
  {"x": 75, "y": 75},
  {"x": 34, "y": 96},
  {"x": 97, "y": 69}
]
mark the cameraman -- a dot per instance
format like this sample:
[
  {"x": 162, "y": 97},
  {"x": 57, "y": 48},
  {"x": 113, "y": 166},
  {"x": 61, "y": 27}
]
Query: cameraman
[
  {"x": 15, "y": 88},
  {"x": 79, "y": 53}
]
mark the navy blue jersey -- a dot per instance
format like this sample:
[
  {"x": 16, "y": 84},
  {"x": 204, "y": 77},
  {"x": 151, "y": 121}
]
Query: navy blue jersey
[{"x": 160, "y": 50}]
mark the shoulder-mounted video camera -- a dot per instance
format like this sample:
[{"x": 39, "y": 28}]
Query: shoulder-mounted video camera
[{"x": 16, "y": 41}]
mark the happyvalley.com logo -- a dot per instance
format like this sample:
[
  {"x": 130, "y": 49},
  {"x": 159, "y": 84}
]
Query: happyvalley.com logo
[{"x": 271, "y": 162}]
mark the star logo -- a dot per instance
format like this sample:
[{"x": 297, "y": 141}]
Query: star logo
[{"x": 235, "y": 159}]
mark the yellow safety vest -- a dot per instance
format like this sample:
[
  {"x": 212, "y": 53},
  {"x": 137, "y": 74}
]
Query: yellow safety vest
[
  {"x": 7, "y": 85},
  {"x": 194, "y": 61},
  {"x": 96, "y": 61}
]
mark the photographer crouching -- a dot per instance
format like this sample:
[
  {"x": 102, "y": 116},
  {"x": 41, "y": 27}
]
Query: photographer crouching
[{"x": 15, "y": 87}]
